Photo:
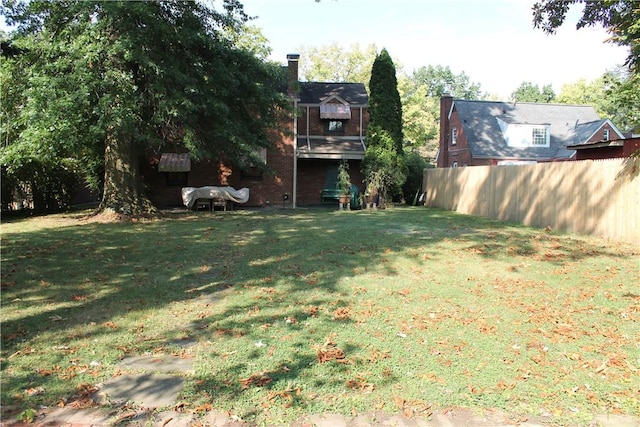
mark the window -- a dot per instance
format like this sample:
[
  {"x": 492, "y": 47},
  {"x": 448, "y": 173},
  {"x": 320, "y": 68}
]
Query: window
[
  {"x": 605, "y": 135},
  {"x": 455, "y": 164},
  {"x": 254, "y": 172},
  {"x": 177, "y": 179},
  {"x": 335, "y": 127},
  {"x": 539, "y": 136},
  {"x": 454, "y": 136}
]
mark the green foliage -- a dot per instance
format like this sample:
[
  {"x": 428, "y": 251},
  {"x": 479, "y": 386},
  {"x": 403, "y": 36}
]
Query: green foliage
[
  {"x": 385, "y": 107},
  {"x": 383, "y": 165},
  {"x": 614, "y": 95},
  {"x": 334, "y": 63},
  {"x": 440, "y": 80},
  {"x": 49, "y": 187},
  {"x": 529, "y": 92},
  {"x": 621, "y": 18},
  {"x": 415, "y": 165},
  {"x": 622, "y": 94},
  {"x": 129, "y": 79},
  {"x": 420, "y": 93},
  {"x": 27, "y": 416},
  {"x": 383, "y": 169},
  {"x": 344, "y": 179}
]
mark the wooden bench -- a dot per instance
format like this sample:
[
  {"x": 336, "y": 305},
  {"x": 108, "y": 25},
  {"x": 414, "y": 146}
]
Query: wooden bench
[{"x": 332, "y": 194}]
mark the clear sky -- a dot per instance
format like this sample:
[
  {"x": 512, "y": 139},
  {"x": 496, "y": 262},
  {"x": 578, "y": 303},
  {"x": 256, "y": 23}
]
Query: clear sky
[{"x": 492, "y": 41}]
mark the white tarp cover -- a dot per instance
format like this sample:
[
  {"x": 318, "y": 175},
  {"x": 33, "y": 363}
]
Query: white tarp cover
[{"x": 191, "y": 194}]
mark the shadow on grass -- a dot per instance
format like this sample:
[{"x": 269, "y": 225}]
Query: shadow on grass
[{"x": 78, "y": 282}]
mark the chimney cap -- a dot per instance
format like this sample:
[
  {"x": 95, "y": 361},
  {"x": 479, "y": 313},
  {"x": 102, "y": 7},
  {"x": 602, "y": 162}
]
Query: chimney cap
[{"x": 293, "y": 56}]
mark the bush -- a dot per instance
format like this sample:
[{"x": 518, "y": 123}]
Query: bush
[
  {"x": 44, "y": 187},
  {"x": 415, "y": 165}
]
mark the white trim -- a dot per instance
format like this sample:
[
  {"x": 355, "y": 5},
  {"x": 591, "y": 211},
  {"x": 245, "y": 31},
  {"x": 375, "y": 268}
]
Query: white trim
[
  {"x": 331, "y": 98},
  {"x": 613, "y": 127}
]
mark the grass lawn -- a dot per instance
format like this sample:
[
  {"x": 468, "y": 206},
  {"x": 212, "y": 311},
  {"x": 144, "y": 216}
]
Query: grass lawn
[{"x": 306, "y": 311}]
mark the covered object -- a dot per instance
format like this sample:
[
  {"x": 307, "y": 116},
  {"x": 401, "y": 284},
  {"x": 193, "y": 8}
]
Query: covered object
[{"x": 191, "y": 194}]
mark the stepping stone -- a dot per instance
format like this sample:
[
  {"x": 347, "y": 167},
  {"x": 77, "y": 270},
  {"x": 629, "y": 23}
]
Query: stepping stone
[
  {"x": 159, "y": 363},
  {"x": 146, "y": 390}
]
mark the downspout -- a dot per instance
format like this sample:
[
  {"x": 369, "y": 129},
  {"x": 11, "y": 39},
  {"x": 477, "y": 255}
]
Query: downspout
[
  {"x": 295, "y": 154},
  {"x": 308, "y": 141},
  {"x": 361, "y": 138}
]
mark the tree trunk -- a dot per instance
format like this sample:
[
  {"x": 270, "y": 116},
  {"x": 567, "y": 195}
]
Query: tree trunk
[{"x": 123, "y": 192}]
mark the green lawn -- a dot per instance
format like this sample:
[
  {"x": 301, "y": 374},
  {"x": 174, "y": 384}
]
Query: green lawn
[{"x": 294, "y": 312}]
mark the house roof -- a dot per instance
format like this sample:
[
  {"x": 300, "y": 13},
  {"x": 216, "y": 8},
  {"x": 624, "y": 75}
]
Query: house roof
[
  {"x": 568, "y": 125},
  {"x": 327, "y": 147},
  {"x": 354, "y": 94},
  {"x": 174, "y": 162}
]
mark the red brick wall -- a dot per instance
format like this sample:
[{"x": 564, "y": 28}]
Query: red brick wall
[
  {"x": 312, "y": 175},
  {"x": 629, "y": 146},
  {"x": 599, "y": 135},
  {"x": 203, "y": 173},
  {"x": 460, "y": 151},
  {"x": 317, "y": 126},
  {"x": 270, "y": 189}
]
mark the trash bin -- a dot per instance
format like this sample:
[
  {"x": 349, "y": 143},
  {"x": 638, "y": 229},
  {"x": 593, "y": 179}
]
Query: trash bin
[{"x": 355, "y": 202}]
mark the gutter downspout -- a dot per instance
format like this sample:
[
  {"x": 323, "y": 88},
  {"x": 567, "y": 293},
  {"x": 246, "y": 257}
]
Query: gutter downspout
[
  {"x": 295, "y": 154},
  {"x": 361, "y": 138},
  {"x": 308, "y": 142}
]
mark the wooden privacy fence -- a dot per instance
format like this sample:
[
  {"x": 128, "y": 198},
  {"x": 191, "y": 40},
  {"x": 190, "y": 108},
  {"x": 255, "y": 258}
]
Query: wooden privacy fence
[{"x": 596, "y": 197}]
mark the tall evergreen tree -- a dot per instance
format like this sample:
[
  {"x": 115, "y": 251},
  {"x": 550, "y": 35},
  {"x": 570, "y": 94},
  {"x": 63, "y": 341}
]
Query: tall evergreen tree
[
  {"x": 385, "y": 107},
  {"x": 107, "y": 82},
  {"x": 383, "y": 165}
]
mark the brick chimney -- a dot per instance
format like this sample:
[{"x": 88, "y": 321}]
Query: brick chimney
[
  {"x": 446, "y": 101},
  {"x": 292, "y": 65}
]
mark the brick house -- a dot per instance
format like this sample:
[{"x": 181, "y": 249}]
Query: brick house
[
  {"x": 330, "y": 124},
  {"x": 606, "y": 149},
  {"x": 474, "y": 133}
]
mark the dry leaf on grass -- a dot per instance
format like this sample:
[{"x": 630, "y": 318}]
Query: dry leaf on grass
[{"x": 259, "y": 380}]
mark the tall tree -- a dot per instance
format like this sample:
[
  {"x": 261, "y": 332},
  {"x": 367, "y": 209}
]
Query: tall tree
[
  {"x": 120, "y": 79},
  {"x": 622, "y": 98},
  {"x": 529, "y": 92},
  {"x": 420, "y": 93},
  {"x": 383, "y": 165},
  {"x": 608, "y": 95},
  {"x": 385, "y": 107},
  {"x": 334, "y": 63},
  {"x": 621, "y": 18}
]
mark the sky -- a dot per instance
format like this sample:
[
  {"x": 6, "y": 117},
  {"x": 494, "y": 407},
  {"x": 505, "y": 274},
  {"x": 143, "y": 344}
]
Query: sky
[{"x": 491, "y": 41}]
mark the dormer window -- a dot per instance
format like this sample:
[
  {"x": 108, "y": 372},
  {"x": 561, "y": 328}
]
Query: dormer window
[
  {"x": 524, "y": 135},
  {"x": 539, "y": 136}
]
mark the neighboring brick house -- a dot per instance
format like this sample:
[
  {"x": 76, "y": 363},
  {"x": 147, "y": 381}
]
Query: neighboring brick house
[
  {"x": 476, "y": 133},
  {"x": 330, "y": 125},
  {"x": 606, "y": 149}
]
